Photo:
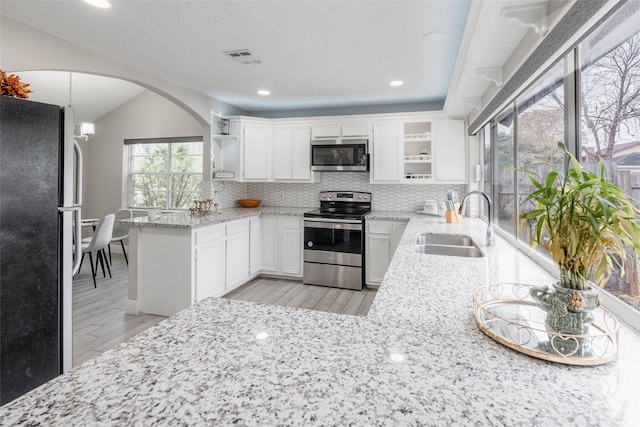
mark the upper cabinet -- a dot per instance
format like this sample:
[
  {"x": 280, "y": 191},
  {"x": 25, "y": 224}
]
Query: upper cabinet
[
  {"x": 450, "y": 151},
  {"x": 413, "y": 148},
  {"x": 417, "y": 151},
  {"x": 347, "y": 130},
  {"x": 292, "y": 153},
  {"x": 385, "y": 152},
  {"x": 256, "y": 151}
]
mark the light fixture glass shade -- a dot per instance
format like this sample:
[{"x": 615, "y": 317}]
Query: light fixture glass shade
[{"x": 87, "y": 129}]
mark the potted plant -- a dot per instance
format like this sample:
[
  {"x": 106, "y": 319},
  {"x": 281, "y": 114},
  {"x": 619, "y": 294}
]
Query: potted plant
[{"x": 586, "y": 224}]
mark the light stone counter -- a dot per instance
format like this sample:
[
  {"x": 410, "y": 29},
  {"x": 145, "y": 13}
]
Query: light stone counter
[
  {"x": 185, "y": 220},
  {"x": 205, "y": 366}
]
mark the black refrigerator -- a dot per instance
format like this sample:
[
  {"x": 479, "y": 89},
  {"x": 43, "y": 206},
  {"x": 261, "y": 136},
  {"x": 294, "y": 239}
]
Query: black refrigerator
[{"x": 39, "y": 221}]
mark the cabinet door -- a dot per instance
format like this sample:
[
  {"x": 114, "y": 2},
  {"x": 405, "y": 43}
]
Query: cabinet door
[
  {"x": 282, "y": 153},
  {"x": 256, "y": 152},
  {"x": 209, "y": 269},
  {"x": 292, "y": 251},
  {"x": 450, "y": 153},
  {"x": 255, "y": 249},
  {"x": 377, "y": 257},
  {"x": 326, "y": 131},
  {"x": 301, "y": 154},
  {"x": 397, "y": 230},
  {"x": 237, "y": 260},
  {"x": 269, "y": 244},
  {"x": 355, "y": 129},
  {"x": 386, "y": 152},
  {"x": 292, "y": 154}
]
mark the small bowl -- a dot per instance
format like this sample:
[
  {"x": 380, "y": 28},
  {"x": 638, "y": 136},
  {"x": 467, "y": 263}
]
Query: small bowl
[{"x": 249, "y": 203}]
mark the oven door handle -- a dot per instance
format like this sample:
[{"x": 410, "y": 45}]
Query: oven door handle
[{"x": 333, "y": 224}]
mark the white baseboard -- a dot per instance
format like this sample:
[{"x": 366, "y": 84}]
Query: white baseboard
[{"x": 131, "y": 307}]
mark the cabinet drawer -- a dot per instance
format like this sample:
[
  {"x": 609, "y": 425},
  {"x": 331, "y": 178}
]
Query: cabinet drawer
[
  {"x": 208, "y": 234},
  {"x": 291, "y": 223},
  {"x": 237, "y": 227},
  {"x": 379, "y": 227}
]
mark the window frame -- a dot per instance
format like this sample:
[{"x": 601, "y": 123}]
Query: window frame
[{"x": 168, "y": 173}]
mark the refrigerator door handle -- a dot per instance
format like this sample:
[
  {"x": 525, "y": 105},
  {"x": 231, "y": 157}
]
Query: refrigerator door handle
[
  {"x": 78, "y": 174},
  {"x": 77, "y": 236}
]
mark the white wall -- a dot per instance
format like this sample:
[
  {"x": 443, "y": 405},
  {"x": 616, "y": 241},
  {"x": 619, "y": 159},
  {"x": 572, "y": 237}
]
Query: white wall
[{"x": 146, "y": 116}]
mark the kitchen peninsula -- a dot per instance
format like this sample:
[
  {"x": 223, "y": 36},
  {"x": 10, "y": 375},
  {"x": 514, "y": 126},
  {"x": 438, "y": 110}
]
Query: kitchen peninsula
[
  {"x": 417, "y": 359},
  {"x": 208, "y": 255}
]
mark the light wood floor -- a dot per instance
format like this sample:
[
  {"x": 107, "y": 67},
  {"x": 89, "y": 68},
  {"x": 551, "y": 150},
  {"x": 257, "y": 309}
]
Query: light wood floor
[
  {"x": 99, "y": 320},
  {"x": 291, "y": 293}
]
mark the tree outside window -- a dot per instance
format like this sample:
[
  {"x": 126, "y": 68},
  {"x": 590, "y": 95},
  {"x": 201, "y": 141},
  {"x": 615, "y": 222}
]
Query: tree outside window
[
  {"x": 167, "y": 174},
  {"x": 610, "y": 116}
]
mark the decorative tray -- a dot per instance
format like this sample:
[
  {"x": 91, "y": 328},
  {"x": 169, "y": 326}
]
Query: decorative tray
[{"x": 506, "y": 313}]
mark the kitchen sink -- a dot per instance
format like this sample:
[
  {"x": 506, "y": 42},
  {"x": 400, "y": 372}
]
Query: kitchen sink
[
  {"x": 444, "y": 239},
  {"x": 448, "y": 245}
]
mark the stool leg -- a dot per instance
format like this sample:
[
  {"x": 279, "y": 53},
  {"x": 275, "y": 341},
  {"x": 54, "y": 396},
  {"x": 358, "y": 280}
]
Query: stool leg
[
  {"x": 124, "y": 252},
  {"x": 93, "y": 272},
  {"x": 105, "y": 258},
  {"x": 99, "y": 258}
]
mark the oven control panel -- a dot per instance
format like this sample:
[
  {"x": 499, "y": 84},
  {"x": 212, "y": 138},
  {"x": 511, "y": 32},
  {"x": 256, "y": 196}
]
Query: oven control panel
[{"x": 343, "y": 196}]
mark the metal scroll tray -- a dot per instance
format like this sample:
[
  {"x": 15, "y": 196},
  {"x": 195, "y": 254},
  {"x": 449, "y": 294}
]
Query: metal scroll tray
[{"x": 506, "y": 313}]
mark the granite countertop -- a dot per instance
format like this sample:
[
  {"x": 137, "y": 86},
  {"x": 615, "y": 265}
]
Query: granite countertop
[
  {"x": 186, "y": 220},
  {"x": 417, "y": 359}
]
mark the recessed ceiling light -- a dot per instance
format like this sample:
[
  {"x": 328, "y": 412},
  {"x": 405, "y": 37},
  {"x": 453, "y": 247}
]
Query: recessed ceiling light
[
  {"x": 103, "y": 4},
  {"x": 262, "y": 336},
  {"x": 264, "y": 92},
  {"x": 396, "y": 83},
  {"x": 435, "y": 37}
]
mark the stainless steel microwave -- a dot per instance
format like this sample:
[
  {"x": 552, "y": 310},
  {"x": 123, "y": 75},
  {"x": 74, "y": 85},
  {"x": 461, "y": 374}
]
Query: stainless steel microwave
[{"x": 340, "y": 155}]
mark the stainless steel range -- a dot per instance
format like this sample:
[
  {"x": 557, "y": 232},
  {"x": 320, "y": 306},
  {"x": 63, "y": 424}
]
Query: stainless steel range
[{"x": 334, "y": 240}]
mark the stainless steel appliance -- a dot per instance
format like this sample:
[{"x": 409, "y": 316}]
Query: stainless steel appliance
[
  {"x": 340, "y": 155},
  {"x": 38, "y": 203},
  {"x": 334, "y": 240}
]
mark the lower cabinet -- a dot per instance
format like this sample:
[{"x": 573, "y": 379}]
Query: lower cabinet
[
  {"x": 236, "y": 255},
  {"x": 222, "y": 255},
  {"x": 381, "y": 241},
  {"x": 209, "y": 263},
  {"x": 282, "y": 238}
]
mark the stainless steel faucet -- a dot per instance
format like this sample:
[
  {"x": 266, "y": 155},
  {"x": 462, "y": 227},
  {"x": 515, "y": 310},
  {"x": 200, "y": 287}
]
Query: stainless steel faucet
[{"x": 491, "y": 238}]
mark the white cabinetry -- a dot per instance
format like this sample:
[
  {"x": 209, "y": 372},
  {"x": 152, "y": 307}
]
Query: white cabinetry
[
  {"x": 209, "y": 262},
  {"x": 236, "y": 254},
  {"x": 381, "y": 241},
  {"x": 418, "y": 153},
  {"x": 282, "y": 245},
  {"x": 292, "y": 153},
  {"x": 256, "y": 152},
  {"x": 434, "y": 151},
  {"x": 386, "y": 152},
  {"x": 255, "y": 245},
  {"x": 347, "y": 130},
  {"x": 449, "y": 139},
  {"x": 178, "y": 267}
]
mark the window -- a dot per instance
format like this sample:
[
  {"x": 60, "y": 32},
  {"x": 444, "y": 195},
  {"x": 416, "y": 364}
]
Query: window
[
  {"x": 540, "y": 125},
  {"x": 165, "y": 172},
  {"x": 610, "y": 117},
  {"x": 601, "y": 120},
  {"x": 503, "y": 188}
]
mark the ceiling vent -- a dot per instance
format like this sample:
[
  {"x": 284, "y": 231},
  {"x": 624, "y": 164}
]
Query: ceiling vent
[{"x": 243, "y": 56}]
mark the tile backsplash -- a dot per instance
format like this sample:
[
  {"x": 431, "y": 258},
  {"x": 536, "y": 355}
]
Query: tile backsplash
[{"x": 391, "y": 197}]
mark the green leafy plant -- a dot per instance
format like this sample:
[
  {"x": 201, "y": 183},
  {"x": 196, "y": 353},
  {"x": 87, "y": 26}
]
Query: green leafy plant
[{"x": 583, "y": 221}]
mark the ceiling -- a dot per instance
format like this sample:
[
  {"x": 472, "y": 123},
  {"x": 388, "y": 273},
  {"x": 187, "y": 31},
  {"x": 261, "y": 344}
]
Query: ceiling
[{"x": 313, "y": 54}]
